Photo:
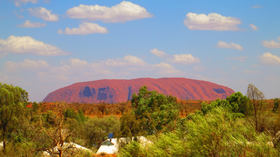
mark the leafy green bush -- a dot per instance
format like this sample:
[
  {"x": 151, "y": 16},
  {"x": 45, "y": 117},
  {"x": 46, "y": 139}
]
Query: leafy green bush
[
  {"x": 217, "y": 133},
  {"x": 236, "y": 103},
  {"x": 154, "y": 112},
  {"x": 94, "y": 131},
  {"x": 133, "y": 149}
]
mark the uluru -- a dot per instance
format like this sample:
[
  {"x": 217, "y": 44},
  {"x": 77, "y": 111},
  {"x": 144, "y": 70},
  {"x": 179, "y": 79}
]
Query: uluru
[{"x": 119, "y": 90}]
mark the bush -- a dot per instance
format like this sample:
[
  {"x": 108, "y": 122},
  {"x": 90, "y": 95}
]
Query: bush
[
  {"x": 154, "y": 112},
  {"x": 133, "y": 149},
  {"x": 236, "y": 103},
  {"x": 217, "y": 133},
  {"x": 95, "y": 130}
]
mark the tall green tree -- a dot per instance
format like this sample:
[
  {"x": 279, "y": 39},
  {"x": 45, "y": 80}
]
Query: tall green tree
[
  {"x": 154, "y": 111},
  {"x": 12, "y": 100}
]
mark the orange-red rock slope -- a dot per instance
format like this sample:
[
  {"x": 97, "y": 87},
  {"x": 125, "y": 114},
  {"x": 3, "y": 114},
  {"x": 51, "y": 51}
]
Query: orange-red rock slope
[{"x": 115, "y": 91}]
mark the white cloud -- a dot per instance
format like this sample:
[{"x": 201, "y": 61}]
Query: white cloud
[
  {"x": 125, "y": 61},
  {"x": 158, "y": 53},
  {"x": 26, "y": 44},
  {"x": 212, "y": 21},
  {"x": 222, "y": 44},
  {"x": 166, "y": 68},
  {"x": 44, "y": 14},
  {"x": 269, "y": 58},
  {"x": 78, "y": 62},
  {"x": 253, "y": 27},
  {"x": 272, "y": 44},
  {"x": 26, "y": 64},
  {"x": 134, "y": 60},
  {"x": 19, "y": 2},
  {"x": 28, "y": 24},
  {"x": 185, "y": 59},
  {"x": 84, "y": 29},
  {"x": 125, "y": 11},
  {"x": 176, "y": 58}
]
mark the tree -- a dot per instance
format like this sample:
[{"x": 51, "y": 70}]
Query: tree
[
  {"x": 241, "y": 102},
  {"x": 130, "y": 126},
  {"x": 276, "y": 105},
  {"x": 154, "y": 111},
  {"x": 256, "y": 97},
  {"x": 215, "y": 134},
  {"x": 236, "y": 103},
  {"x": 12, "y": 101},
  {"x": 58, "y": 133}
]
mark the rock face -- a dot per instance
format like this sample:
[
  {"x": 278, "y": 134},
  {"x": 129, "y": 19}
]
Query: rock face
[{"x": 116, "y": 91}]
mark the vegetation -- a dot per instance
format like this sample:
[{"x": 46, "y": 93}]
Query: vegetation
[
  {"x": 152, "y": 112},
  {"x": 256, "y": 96},
  {"x": 221, "y": 128},
  {"x": 12, "y": 100},
  {"x": 236, "y": 126}
]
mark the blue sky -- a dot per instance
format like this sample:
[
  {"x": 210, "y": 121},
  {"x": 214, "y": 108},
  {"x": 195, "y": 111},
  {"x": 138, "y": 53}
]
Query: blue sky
[{"x": 47, "y": 44}]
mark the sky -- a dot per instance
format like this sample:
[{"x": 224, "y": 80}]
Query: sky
[{"x": 49, "y": 44}]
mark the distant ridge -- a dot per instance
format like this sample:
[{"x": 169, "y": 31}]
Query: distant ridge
[{"x": 117, "y": 90}]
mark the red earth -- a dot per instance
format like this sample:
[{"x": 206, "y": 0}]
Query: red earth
[{"x": 117, "y": 91}]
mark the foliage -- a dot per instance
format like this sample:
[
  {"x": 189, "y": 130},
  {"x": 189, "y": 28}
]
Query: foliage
[
  {"x": 70, "y": 113},
  {"x": 221, "y": 128},
  {"x": 155, "y": 112},
  {"x": 276, "y": 105},
  {"x": 217, "y": 133},
  {"x": 94, "y": 131},
  {"x": 12, "y": 100},
  {"x": 133, "y": 149},
  {"x": 130, "y": 126},
  {"x": 236, "y": 103}
]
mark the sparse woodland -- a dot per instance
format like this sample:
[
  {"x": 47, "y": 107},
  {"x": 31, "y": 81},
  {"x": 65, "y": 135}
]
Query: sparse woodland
[{"x": 241, "y": 125}]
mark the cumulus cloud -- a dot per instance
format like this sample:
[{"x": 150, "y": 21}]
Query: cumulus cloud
[
  {"x": 78, "y": 62},
  {"x": 134, "y": 60},
  {"x": 28, "y": 24},
  {"x": 125, "y": 11},
  {"x": 185, "y": 59},
  {"x": 269, "y": 58},
  {"x": 158, "y": 53},
  {"x": 212, "y": 21},
  {"x": 176, "y": 58},
  {"x": 26, "y": 44},
  {"x": 44, "y": 14},
  {"x": 166, "y": 68},
  {"x": 26, "y": 64},
  {"x": 272, "y": 44},
  {"x": 222, "y": 44},
  {"x": 125, "y": 61},
  {"x": 253, "y": 27},
  {"x": 84, "y": 29},
  {"x": 19, "y": 2}
]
